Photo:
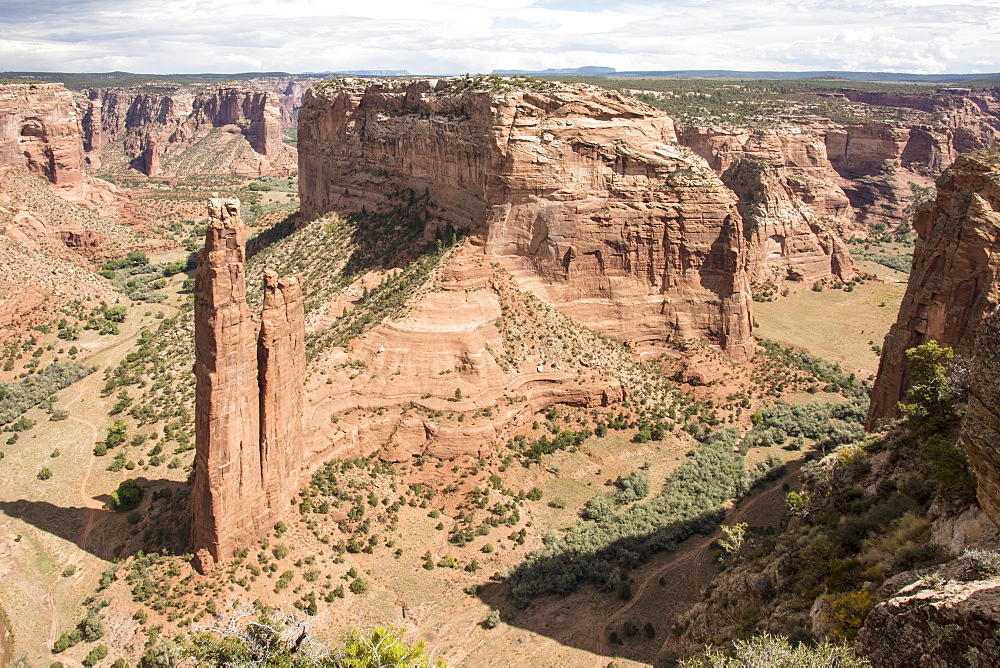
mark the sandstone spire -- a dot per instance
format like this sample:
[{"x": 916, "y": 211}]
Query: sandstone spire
[
  {"x": 246, "y": 419},
  {"x": 281, "y": 359}
]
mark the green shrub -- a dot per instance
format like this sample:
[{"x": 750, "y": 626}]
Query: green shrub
[
  {"x": 44, "y": 474},
  {"x": 127, "y": 496}
]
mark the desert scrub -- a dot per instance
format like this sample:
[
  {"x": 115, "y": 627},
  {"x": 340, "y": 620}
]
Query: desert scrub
[
  {"x": 604, "y": 551},
  {"x": 16, "y": 398}
]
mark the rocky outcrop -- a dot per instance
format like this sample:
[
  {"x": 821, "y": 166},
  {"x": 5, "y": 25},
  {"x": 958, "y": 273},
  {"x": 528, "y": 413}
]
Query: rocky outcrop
[
  {"x": 787, "y": 239},
  {"x": 972, "y": 117},
  {"x": 799, "y": 154},
  {"x": 40, "y": 132},
  {"x": 289, "y": 91},
  {"x": 184, "y": 130},
  {"x": 581, "y": 192},
  {"x": 953, "y": 280},
  {"x": 246, "y": 414},
  {"x": 953, "y": 623},
  {"x": 981, "y": 426}
]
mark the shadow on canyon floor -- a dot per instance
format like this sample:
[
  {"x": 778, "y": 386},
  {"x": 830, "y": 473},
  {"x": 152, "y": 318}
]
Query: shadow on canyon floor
[
  {"x": 631, "y": 621},
  {"x": 107, "y": 534}
]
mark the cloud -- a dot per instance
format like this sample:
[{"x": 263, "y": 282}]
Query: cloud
[{"x": 451, "y": 36}]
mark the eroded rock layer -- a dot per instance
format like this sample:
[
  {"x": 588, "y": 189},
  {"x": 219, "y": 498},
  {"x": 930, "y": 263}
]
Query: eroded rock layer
[
  {"x": 281, "y": 360},
  {"x": 953, "y": 280},
  {"x": 787, "y": 239},
  {"x": 187, "y": 130},
  {"x": 247, "y": 450},
  {"x": 584, "y": 193},
  {"x": 40, "y": 132}
]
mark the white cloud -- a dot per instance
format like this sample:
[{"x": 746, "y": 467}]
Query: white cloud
[{"x": 468, "y": 36}]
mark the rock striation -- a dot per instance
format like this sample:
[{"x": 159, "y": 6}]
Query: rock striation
[
  {"x": 187, "y": 130},
  {"x": 787, "y": 239},
  {"x": 953, "y": 280},
  {"x": 40, "y": 132},
  {"x": 582, "y": 193},
  {"x": 248, "y": 397}
]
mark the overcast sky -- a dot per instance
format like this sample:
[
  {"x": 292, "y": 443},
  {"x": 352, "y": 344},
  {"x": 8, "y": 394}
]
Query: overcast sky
[{"x": 173, "y": 36}]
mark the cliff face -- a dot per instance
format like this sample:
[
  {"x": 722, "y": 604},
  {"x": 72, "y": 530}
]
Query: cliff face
[
  {"x": 179, "y": 131},
  {"x": 787, "y": 239},
  {"x": 841, "y": 172},
  {"x": 40, "y": 132},
  {"x": 953, "y": 280},
  {"x": 247, "y": 416},
  {"x": 981, "y": 426},
  {"x": 581, "y": 192},
  {"x": 972, "y": 116}
]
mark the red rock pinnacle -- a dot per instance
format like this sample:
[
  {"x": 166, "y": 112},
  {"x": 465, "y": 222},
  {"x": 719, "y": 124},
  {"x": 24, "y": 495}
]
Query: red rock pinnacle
[{"x": 247, "y": 419}]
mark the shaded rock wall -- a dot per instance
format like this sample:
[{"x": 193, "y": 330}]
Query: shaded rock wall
[
  {"x": 247, "y": 416},
  {"x": 981, "y": 426},
  {"x": 157, "y": 126},
  {"x": 582, "y": 190},
  {"x": 40, "y": 132},
  {"x": 953, "y": 280}
]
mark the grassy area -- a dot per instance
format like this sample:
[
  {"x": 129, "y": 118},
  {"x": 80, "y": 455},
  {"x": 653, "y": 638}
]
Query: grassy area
[{"x": 838, "y": 326}]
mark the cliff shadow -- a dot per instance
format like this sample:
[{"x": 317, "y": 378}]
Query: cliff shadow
[
  {"x": 620, "y": 600},
  {"x": 159, "y": 522}
]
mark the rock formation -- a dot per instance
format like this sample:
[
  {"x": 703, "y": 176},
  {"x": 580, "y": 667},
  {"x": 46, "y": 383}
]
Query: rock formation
[
  {"x": 581, "y": 192},
  {"x": 843, "y": 172},
  {"x": 787, "y": 239},
  {"x": 40, "y": 132},
  {"x": 953, "y": 623},
  {"x": 281, "y": 360},
  {"x": 185, "y": 129},
  {"x": 248, "y": 400},
  {"x": 953, "y": 280},
  {"x": 981, "y": 426}
]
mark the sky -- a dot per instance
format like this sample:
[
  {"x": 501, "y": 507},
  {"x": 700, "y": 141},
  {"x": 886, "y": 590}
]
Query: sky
[{"x": 228, "y": 36}]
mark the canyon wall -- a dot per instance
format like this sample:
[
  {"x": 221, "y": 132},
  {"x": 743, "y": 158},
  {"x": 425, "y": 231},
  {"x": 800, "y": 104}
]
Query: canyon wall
[
  {"x": 844, "y": 172},
  {"x": 248, "y": 397},
  {"x": 187, "y": 130},
  {"x": 581, "y": 192},
  {"x": 40, "y": 132},
  {"x": 953, "y": 280}
]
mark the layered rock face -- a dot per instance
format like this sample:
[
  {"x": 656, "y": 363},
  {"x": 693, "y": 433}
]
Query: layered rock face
[
  {"x": 787, "y": 239},
  {"x": 40, "y": 132},
  {"x": 582, "y": 193},
  {"x": 842, "y": 172},
  {"x": 953, "y": 280},
  {"x": 248, "y": 398},
  {"x": 972, "y": 116},
  {"x": 160, "y": 131},
  {"x": 281, "y": 360}
]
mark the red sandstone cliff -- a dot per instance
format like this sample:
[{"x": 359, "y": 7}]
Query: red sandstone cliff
[
  {"x": 981, "y": 426},
  {"x": 40, "y": 132},
  {"x": 787, "y": 239},
  {"x": 953, "y": 280},
  {"x": 187, "y": 130},
  {"x": 246, "y": 417},
  {"x": 583, "y": 193}
]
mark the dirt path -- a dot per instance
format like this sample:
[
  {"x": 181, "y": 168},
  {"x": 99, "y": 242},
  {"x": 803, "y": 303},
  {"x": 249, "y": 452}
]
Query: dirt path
[{"x": 680, "y": 564}]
